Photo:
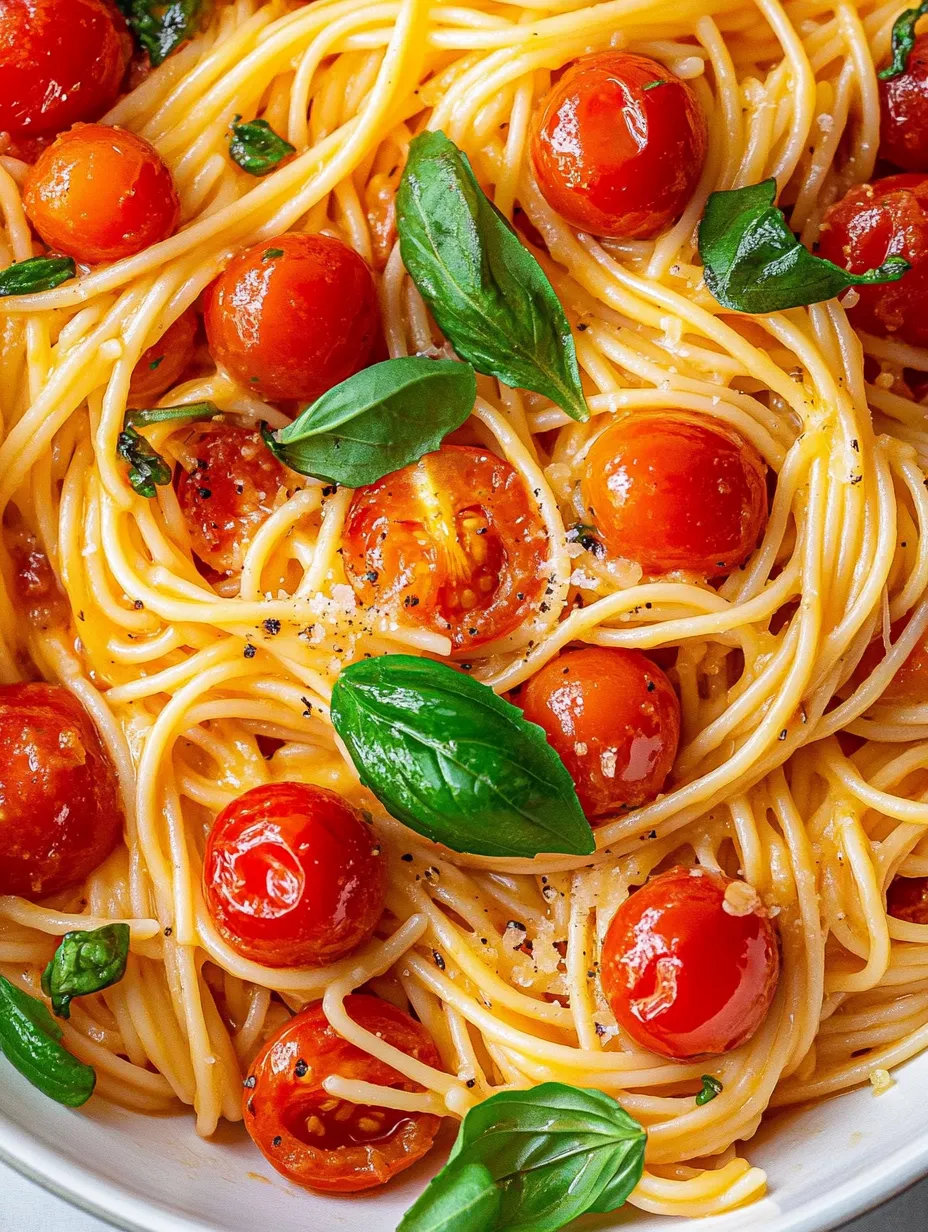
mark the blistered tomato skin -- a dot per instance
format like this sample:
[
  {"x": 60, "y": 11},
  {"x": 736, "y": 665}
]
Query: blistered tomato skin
[
  {"x": 100, "y": 194},
  {"x": 453, "y": 542},
  {"x": 614, "y": 719},
  {"x": 60, "y": 809},
  {"x": 689, "y": 966},
  {"x": 672, "y": 491},
  {"x": 293, "y": 876},
  {"x": 907, "y": 899},
  {"x": 904, "y": 112},
  {"x": 163, "y": 364},
  {"x": 618, "y": 145},
  {"x": 293, "y": 316}
]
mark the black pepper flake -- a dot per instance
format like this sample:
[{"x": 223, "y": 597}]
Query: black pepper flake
[
  {"x": 372, "y": 575},
  {"x": 782, "y": 735},
  {"x": 545, "y": 607},
  {"x": 204, "y": 493},
  {"x": 169, "y": 932},
  {"x": 520, "y": 596},
  {"x": 411, "y": 601},
  {"x": 81, "y": 616},
  {"x": 407, "y": 857},
  {"x": 276, "y": 1140},
  {"x": 651, "y": 686},
  {"x": 582, "y": 325},
  {"x": 471, "y": 632},
  {"x": 250, "y": 651},
  {"x": 471, "y": 1083},
  {"x": 516, "y": 924},
  {"x": 239, "y": 489},
  {"x": 439, "y": 961},
  {"x": 272, "y": 627},
  {"x": 250, "y": 1082},
  {"x": 301, "y": 1069},
  {"x": 251, "y": 1107},
  {"x": 482, "y": 530},
  {"x": 600, "y": 1029},
  {"x": 330, "y": 489},
  {"x": 854, "y": 445}
]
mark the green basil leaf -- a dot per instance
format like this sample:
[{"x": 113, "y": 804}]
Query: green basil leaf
[
  {"x": 753, "y": 263},
  {"x": 160, "y": 27},
  {"x": 256, "y": 147},
  {"x": 458, "y": 1199},
  {"x": 36, "y": 274},
  {"x": 85, "y": 962},
  {"x": 146, "y": 466},
  {"x": 454, "y": 762},
  {"x": 487, "y": 292},
  {"x": 29, "y": 1039},
  {"x": 378, "y": 420},
  {"x": 711, "y": 1087},
  {"x": 903, "y": 41}
]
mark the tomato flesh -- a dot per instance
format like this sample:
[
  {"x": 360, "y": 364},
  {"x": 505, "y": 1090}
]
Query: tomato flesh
[
  {"x": 907, "y": 899},
  {"x": 904, "y": 112},
  {"x": 614, "y": 719},
  {"x": 909, "y": 686},
  {"x": 616, "y": 153},
  {"x": 453, "y": 542},
  {"x": 163, "y": 364},
  {"x": 323, "y": 1142},
  {"x": 683, "y": 975},
  {"x": 293, "y": 875}
]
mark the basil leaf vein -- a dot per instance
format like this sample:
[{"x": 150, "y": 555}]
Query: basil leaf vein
[
  {"x": 903, "y": 40},
  {"x": 36, "y": 274},
  {"x": 256, "y": 148},
  {"x": 147, "y": 468},
  {"x": 29, "y": 1039},
  {"x": 159, "y": 27},
  {"x": 85, "y": 962}
]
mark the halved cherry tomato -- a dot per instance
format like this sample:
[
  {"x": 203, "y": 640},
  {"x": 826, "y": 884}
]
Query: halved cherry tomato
[
  {"x": 614, "y": 718},
  {"x": 61, "y": 61},
  {"x": 673, "y": 490},
  {"x": 293, "y": 875},
  {"x": 872, "y": 222},
  {"x": 904, "y": 112},
  {"x": 689, "y": 964},
  {"x": 100, "y": 193},
  {"x": 910, "y": 683},
  {"x": 165, "y": 361},
  {"x": 453, "y": 542},
  {"x": 618, "y": 145},
  {"x": 293, "y": 316},
  {"x": 324, "y": 1142},
  {"x": 907, "y": 899},
  {"x": 60, "y": 810}
]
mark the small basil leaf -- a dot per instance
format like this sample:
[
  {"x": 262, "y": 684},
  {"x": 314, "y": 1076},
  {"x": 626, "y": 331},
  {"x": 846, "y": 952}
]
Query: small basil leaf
[
  {"x": 711, "y": 1087},
  {"x": 29, "y": 1039},
  {"x": 487, "y": 292},
  {"x": 160, "y": 27},
  {"x": 378, "y": 420},
  {"x": 36, "y": 274},
  {"x": 85, "y": 962},
  {"x": 753, "y": 263},
  {"x": 454, "y": 762},
  {"x": 903, "y": 41},
  {"x": 146, "y": 466},
  {"x": 457, "y": 1199},
  {"x": 256, "y": 147}
]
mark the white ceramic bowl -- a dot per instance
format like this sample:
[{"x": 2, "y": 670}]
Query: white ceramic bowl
[{"x": 825, "y": 1164}]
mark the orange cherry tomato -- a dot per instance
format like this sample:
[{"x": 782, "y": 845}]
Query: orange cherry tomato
[
  {"x": 452, "y": 542},
  {"x": 614, "y": 718},
  {"x": 907, "y": 899},
  {"x": 872, "y": 222},
  {"x": 293, "y": 875},
  {"x": 689, "y": 965},
  {"x": 60, "y": 810},
  {"x": 904, "y": 112},
  {"x": 61, "y": 61},
  {"x": 323, "y": 1142},
  {"x": 673, "y": 490},
  {"x": 100, "y": 193},
  {"x": 909, "y": 686},
  {"x": 293, "y": 316},
  {"x": 618, "y": 145},
  {"x": 165, "y": 361}
]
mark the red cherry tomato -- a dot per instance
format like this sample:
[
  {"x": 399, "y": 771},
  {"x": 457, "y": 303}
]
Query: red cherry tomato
[
  {"x": 684, "y": 975},
  {"x": 293, "y": 875},
  {"x": 910, "y": 683},
  {"x": 60, "y": 811},
  {"x": 673, "y": 490},
  {"x": 61, "y": 61},
  {"x": 872, "y": 222},
  {"x": 614, "y": 718},
  {"x": 904, "y": 112},
  {"x": 618, "y": 145},
  {"x": 453, "y": 542},
  {"x": 101, "y": 193},
  {"x": 165, "y": 361},
  {"x": 907, "y": 899},
  {"x": 294, "y": 316}
]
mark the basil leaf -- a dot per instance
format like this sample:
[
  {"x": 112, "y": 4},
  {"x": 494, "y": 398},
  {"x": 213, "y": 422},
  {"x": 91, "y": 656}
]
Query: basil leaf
[
  {"x": 378, "y": 420},
  {"x": 85, "y": 962},
  {"x": 146, "y": 466},
  {"x": 487, "y": 292},
  {"x": 256, "y": 147},
  {"x": 555, "y": 1152},
  {"x": 29, "y": 1040},
  {"x": 753, "y": 262},
  {"x": 159, "y": 27},
  {"x": 457, "y": 1199},
  {"x": 711, "y": 1087},
  {"x": 454, "y": 762},
  {"x": 36, "y": 274},
  {"x": 903, "y": 41}
]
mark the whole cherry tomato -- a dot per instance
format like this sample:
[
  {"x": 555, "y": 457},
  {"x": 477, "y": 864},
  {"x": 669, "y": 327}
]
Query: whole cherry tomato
[
  {"x": 324, "y": 1142},
  {"x": 614, "y": 718},
  {"x": 904, "y": 112},
  {"x": 100, "y": 193},
  {"x": 293, "y": 316},
  {"x": 453, "y": 542},
  {"x": 907, "y": 899},
  {"x": 673, "y": 490},
  {"x": 293, "y": 875},
  {"x": 689, "y": 964},
  {"x": 164, "y": 363},
  {"x": 872, "y": 222},
  {"x": 618, "y": 145},
  {"x": 910, "y": 683},
  {"x": 60, "y": 810}
]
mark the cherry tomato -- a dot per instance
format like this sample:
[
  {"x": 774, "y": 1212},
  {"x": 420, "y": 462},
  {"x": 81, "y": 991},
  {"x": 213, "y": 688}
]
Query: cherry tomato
[
  {"x": 165, "y": 361},
  {"x": 61, "y": 61},
  {"x": 907, "y": 899},
  {"x": 689, "y": 965},
  {"x": 101, "y": 193},
  {"x": 453, "y": 542},
  {"x": 36, "y": 586},
  {"x": 673, "y": 490},
  {"x": 294, "y": 316},
  {"x": 293, "y": 875},
  {"x": 904, "y": 112},
  {"x": 872, "y": 222},
  {"x": 60, "y": 810},
  {"x": 231, "y": 490},
  {"x": 618, "y": 145},
  {"x": 910, "y": 683},
  {"x": 614, "y": 718},
  {"x": 324, "y": 1142}
]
